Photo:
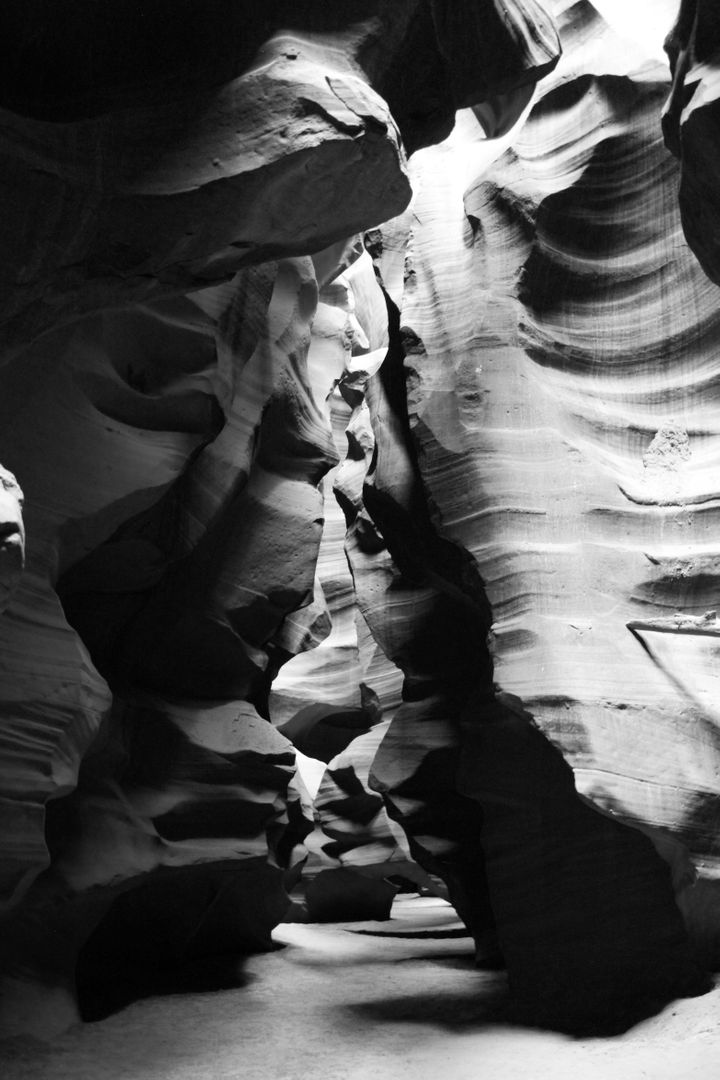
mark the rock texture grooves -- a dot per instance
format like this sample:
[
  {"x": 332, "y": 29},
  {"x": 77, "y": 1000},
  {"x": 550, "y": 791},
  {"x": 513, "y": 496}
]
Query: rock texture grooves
[
  {"x": 488, "y": 804},
  {"x": 552, "y": 393}
]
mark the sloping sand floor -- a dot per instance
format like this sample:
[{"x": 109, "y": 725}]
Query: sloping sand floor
[{"x": 335, "y": 1004}]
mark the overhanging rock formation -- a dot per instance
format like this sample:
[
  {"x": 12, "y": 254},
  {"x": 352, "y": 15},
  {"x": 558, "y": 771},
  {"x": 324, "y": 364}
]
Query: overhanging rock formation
[{"x": 513, "y": 409}]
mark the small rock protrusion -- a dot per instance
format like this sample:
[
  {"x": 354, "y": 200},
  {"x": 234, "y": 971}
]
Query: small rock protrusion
[{"x": 669, "y": 448}]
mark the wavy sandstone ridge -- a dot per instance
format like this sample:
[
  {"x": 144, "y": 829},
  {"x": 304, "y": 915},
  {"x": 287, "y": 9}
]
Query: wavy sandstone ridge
[
  {"x": 558, "y": 343},
  {"x": 596, "y": 449}
]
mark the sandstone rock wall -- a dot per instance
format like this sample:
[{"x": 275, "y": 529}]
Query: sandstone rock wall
[
  {"x": 576, "y": 380},
  {"x": 229, "y": 350},
  {"x": 555, "y": 414}
]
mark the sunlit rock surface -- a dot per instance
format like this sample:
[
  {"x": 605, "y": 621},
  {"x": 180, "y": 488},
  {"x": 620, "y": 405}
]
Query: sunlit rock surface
[
  {"x": 580, "y": 469},
  {"x": 339, "y": 697},
  {"x": 558, "y": 341}
]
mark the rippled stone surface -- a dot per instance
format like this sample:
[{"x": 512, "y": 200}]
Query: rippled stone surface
[
  {"x": 559, "y": 341},
  {"x": 578, "y": 384}
]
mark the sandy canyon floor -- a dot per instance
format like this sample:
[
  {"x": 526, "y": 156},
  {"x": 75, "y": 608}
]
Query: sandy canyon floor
[{"x": 365, "y": 1002}]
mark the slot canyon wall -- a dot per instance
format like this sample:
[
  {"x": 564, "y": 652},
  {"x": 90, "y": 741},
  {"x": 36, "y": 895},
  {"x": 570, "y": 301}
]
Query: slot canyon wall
[{"x": 359, "y": 375}]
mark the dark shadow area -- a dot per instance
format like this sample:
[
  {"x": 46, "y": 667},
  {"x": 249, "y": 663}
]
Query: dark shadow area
[
  {"x": 209, "y": 974},
  {"x": 478, "y": 1008},
  {"x": 188, "y": 931},
  {"x": 415, "y": 934},
  {"x": 490, "y": 1004},
  {"x": 343, "y": 895},
  {"x": 609, "y": 1027},
  {"x": 323, "y": 731}
]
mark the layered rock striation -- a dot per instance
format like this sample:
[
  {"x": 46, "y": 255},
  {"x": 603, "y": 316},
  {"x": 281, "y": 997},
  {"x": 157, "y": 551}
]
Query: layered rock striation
[{"x": 558, "y": 340}]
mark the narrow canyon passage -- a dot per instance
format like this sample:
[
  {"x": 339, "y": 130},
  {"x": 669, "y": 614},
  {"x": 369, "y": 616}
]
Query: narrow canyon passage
[{"x": 359, "y": 579}]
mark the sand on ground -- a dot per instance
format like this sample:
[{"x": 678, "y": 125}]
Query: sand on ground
[{"x": 335, "y": 1004}]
